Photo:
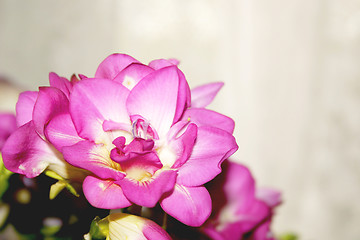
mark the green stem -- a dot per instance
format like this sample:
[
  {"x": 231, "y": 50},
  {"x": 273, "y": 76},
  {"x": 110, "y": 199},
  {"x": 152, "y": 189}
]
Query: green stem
[{"x": 164, "y": 225}]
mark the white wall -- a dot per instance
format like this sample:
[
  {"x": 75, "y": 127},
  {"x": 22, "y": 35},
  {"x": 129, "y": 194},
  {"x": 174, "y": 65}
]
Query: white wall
[{"x": 290, "y": 68}]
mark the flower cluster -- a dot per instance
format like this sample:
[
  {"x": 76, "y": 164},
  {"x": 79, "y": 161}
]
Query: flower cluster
[
  {"x": 136, "y": 135},
  {"x": 240, "y": 211}
]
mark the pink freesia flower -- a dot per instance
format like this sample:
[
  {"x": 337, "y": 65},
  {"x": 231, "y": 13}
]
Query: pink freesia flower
[
  {"x": 133, "y": 128},
  {"x": 239, "y": 210},
  {"x": 7, "y": 126},
  {"x": 127, "y": 226}
]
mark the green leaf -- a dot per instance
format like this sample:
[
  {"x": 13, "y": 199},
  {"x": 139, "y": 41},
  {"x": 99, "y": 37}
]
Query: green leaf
[
  {"x": 288, "y": 236},
  {"x": 99, "y": 229},
  {"x": 4, "y": 177},
  {"x": 57, "y": 187}
]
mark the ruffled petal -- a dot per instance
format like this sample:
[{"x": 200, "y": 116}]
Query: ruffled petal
[
  {"x": 25, "y": 107},
  {"x": 203, "y": 95},
  {"x": 60, "y": 83},
  {"x": 212, "y": 147},
  {"x": 204, "y": 117},
  {"x": 189, "y": 205},
  {"x": 26, "y": 153},
  {"x": 147, "y": 193},
  {"x": 155, "y": 98},
  {"x": 50, "y": 102},
  {"x": 93, "y": 157},
  {"x": 104, "y": 193},
  {"x": 113, "y": 64},
  {"x": 61, "y": 131},
  {"x": 132, "y": 74},
  {"x": 92, "y": 102}
]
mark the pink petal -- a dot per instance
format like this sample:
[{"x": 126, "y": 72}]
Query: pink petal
[
  {"x": 104, "y": 193},
  {"x": 147, "y": 193},
  {"x": 204, "y": 117},
  {"x": 238, "y": 185},
  {"x": 270, "y": 196},
  {"x": 113, "y": 64},
  {"x": 25, "y": 107},
  {"x": 61, "y": 131},
  {"x": 203, "y": 95},
  {"x": 95, "y": 100},
  {"x": 51, "y": 102},
  {"x": 132, "y": 74},
  {"x": 7, "y": 126},
  {"x": 155, "y": 98},
  {"x": 94, "y": 158},
  {"x": 183, "y": 145},
  {"x": 60, "y": 83},
  {"x": 152, "y": 231},
  {"x": 184, "y": 97},
  {"x": 263, "y": 232},
  {"x": 189, "y": 205},
  {"x": 161, "y": 63},
  {"x": 212, "y": 147},
  {"x": 26, "y": 153}
]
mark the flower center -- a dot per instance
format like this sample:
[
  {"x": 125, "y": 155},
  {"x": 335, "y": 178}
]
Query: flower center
[
  {"x": 142, "y": 129},
  {"x": 138, "y": 174}
]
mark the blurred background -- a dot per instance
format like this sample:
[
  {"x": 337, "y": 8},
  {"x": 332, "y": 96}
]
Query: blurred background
[{"x": 291, "y": 73}]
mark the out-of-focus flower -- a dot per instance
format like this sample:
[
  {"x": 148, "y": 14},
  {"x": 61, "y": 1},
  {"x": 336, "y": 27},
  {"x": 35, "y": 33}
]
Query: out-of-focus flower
[
  {"x": 8, "y": 95},
  {"x": 133, "y": 128},
  {"x": 239, "y": 210},
  {"x": 7, "y": 126}
]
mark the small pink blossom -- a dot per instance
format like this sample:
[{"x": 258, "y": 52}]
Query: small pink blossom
[{"x": 240, "y": 211}]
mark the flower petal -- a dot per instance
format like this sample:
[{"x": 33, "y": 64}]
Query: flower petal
[
  {"x": 189, "y": 205},
  {"x": 270, "y": 196},
  {"x": 147, "y": 193},
  {"x": 61, "y": 131},
  {"x": 204, "y": 117},
  {"x": 60, "y": 83},
  {"x": 161, "y": 63},
  {"x": 26, "y": 153},
  {"x": 212, "y": 147},
  {"x": 183, "y": 145},
  {"x": 132, "y": 74},
  {"x": 203, "y": 95},
  {"x": 104, "y": 193},
  {"x": 184, "y": 97},
  {"x": 155, "y": 99},
  {"x": 95, "y": 100},
  {"x": 25, "y": 107},
  {"x": 112, "y": 65},
  {"x": 93, "y": 157},
  {"x": 50, "y": 102}
]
